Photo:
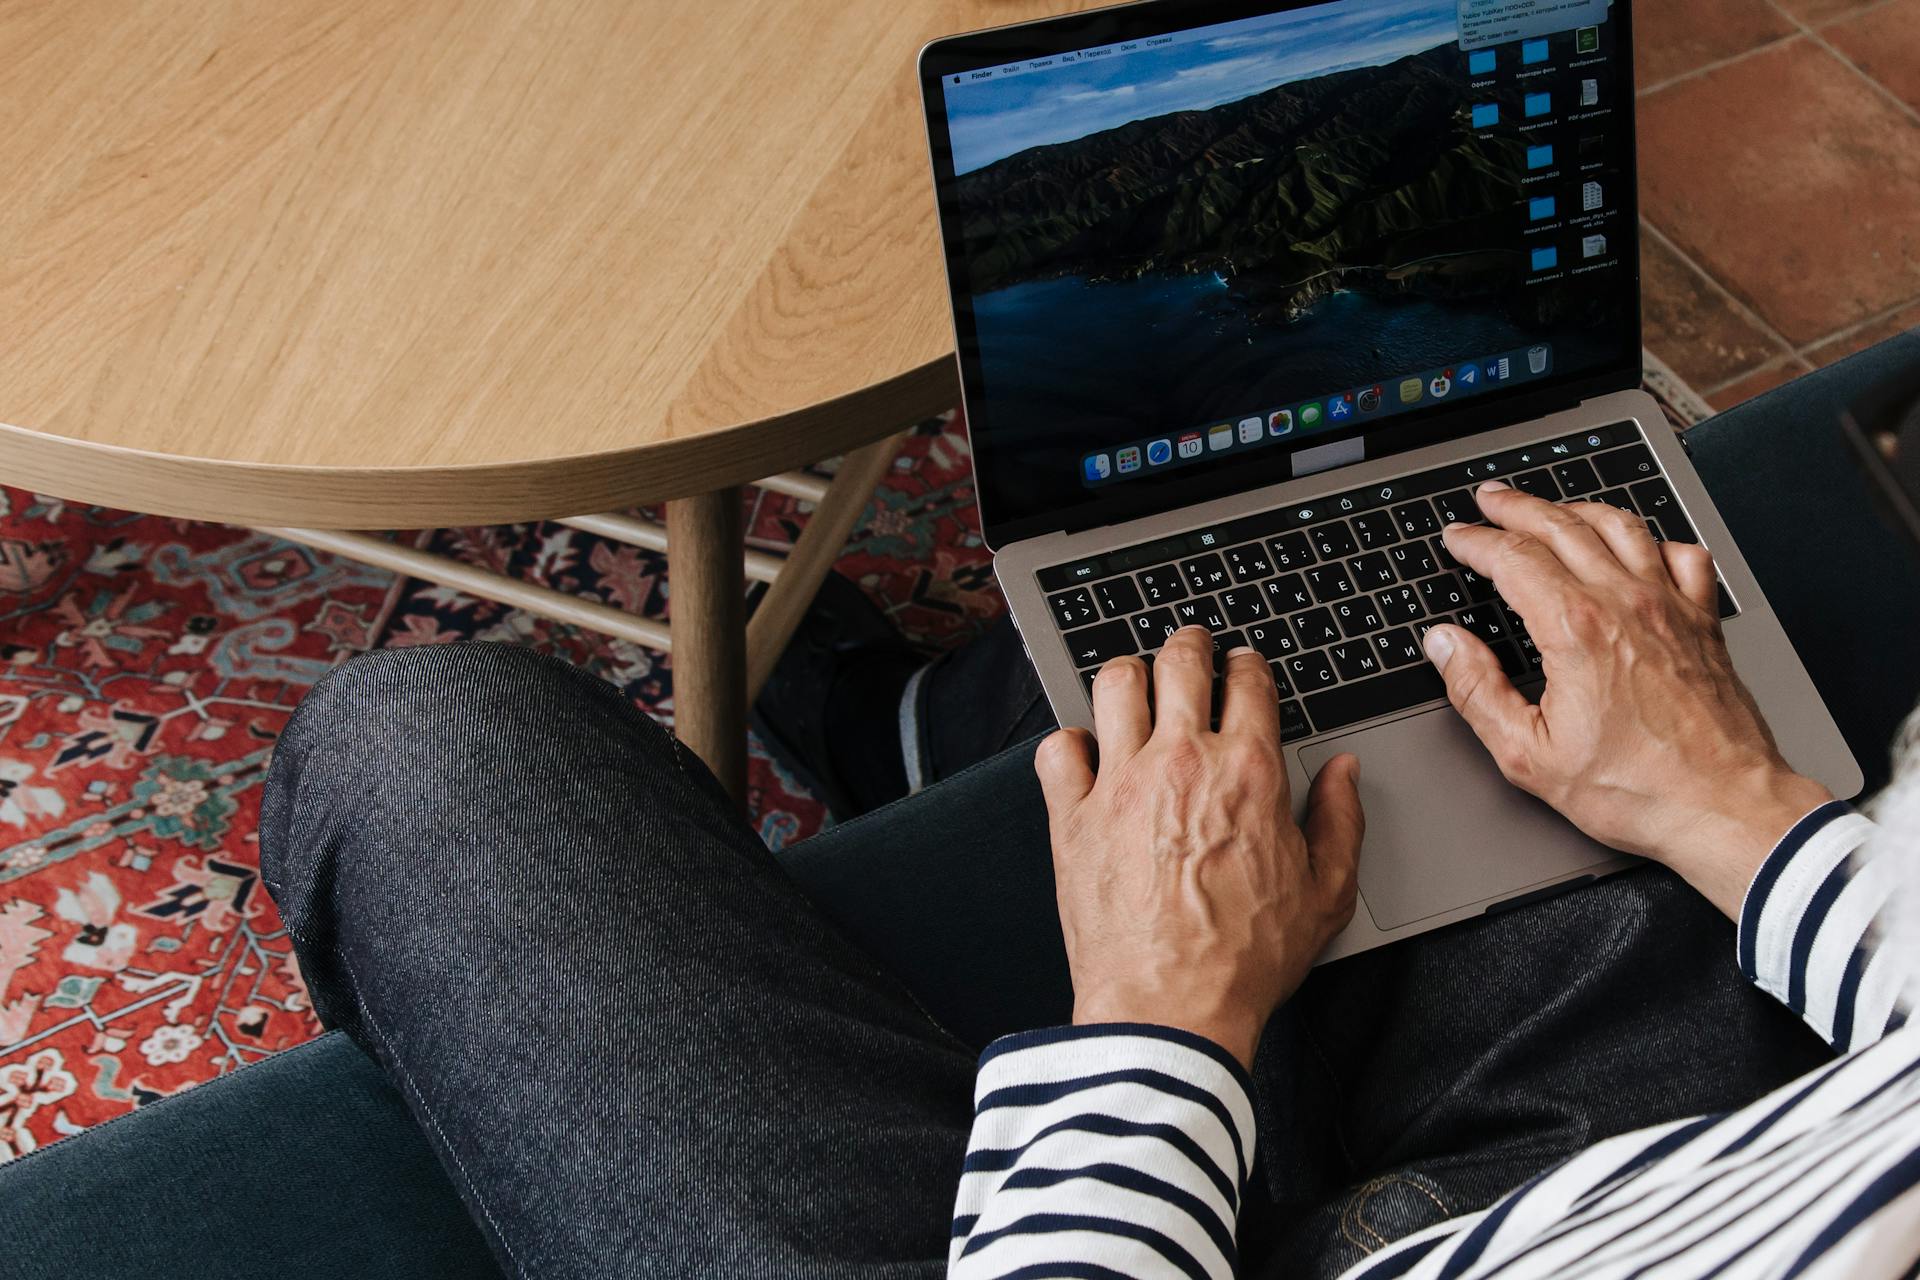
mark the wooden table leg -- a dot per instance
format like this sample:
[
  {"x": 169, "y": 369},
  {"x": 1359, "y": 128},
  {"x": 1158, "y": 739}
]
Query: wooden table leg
[
  {"x": 820, "y": 544},
  {"x": 706, "y": 586}
]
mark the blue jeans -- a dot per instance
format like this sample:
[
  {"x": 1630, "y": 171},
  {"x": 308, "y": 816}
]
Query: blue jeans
[{"x": 637, "y": 1045}]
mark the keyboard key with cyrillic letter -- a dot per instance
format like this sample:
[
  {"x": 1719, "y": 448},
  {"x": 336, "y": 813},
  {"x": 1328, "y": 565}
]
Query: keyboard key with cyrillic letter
[
  {"x": 1315, "y": 627},
  {"x": 1287, "y": 593},
  {"x": 1272, "y": 639},
  {"x": 1329, "y": 582},
  {"x": 1397, "y": 648},
  {"x": 1413, "y": 561},
  {"x": 1243, "y": 605},
  {"x": 1357, "y": 616},
  {"x": 1355, "y": 660},
  {"x": 1371, "y": 571},
  {"x": 1401, "y": 604},
  {"x": 1153, "y": 627},
  {"x": 1309, "y": 671},
  {"x": 1486, "y": 621},
  {"x": 1443, "y": 594}
]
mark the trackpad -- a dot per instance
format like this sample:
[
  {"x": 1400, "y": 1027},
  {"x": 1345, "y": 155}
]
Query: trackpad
[{"x": 1444, "y": 829}]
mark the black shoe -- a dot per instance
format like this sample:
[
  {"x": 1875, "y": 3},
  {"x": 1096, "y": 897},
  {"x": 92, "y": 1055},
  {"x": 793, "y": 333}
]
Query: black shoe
[{"x": 830, "y": 713}]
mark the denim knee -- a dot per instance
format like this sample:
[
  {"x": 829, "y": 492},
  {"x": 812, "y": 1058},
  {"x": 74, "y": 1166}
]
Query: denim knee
[
  {"x": 395, "y": 722},
  {"x": 440, "y": 685}
]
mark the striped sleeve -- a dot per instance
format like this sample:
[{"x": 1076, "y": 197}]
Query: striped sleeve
[
  {"x": 1116, "y": 1150},
  {"x": 1813, "y": 929}
]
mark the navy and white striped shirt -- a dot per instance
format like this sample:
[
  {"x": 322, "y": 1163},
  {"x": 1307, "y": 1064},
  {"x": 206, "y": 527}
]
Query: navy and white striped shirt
[{"x": 1123, "y": 1151}]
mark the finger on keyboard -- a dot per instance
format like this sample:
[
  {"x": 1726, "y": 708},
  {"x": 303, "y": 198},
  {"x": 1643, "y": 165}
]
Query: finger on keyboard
[
  {"x": 1183, "y": 681},
  {"x": 1122, "y": 720},
  {"x": 1528, "y": 576},
  {"x": 1249, "y": 704},
  {"x": 1571, "y": 540},
  {"x": 1626, "y": 535}
]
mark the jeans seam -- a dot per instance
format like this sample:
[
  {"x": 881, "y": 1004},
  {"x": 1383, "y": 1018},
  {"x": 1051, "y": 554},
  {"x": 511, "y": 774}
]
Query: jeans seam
[
  {"x": 679, "y": 753},
  {"x": 1353, "y": 1214},
  {"x": 1418, "y": 1184},
  {"x": 407, "y": 1081},
  {"x": 1350, "y": 1217}
]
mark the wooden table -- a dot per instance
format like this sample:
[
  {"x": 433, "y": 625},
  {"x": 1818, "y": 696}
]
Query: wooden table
[{"x": 412, "y": 263}]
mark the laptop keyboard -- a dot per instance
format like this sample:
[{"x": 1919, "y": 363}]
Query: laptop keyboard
[{"x": 1337, "y": 593}]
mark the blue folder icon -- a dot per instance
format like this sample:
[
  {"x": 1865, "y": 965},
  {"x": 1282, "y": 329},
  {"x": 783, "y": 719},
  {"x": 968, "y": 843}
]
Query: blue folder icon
[
  {"x": 1533, "y": 52},
  {"x": 1481, "y": 61},
  {"x": 1539, "y": 157},
  {"x": 1538, "y": 104},
  {"x": 1540, "y": 207},
  {"x": 1545, "y": 259},
  {"x": 1486, "y": 115}
]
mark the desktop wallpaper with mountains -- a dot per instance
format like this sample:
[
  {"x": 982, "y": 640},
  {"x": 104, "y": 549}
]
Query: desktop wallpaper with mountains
[
  {"x": 1363, "y": 179},
  {"x": 1270, "y": 242}
]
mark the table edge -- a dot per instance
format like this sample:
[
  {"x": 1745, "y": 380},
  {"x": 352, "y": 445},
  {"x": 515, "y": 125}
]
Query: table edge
[{"x": 326, "y": 497}]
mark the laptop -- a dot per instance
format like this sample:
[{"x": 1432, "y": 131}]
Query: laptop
[{"x": 1247, "y": 298}]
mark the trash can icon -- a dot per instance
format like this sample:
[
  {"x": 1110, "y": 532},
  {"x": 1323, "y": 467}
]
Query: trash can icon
[{"x": 1537, "y": 359}]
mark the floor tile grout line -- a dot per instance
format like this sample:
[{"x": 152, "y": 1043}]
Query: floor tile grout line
[
  {"x": 1799, "y": 32},
  {"x": 1900, "y": 104},
  {"x": 1791, "y": 358},
  {"x": 1849, "y": 330},
  {"x": 1741, "y": 307}
]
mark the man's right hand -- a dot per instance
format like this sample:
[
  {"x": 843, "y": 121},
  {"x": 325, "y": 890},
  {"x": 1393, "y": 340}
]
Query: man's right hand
[{"x": 1644, "y": 738}]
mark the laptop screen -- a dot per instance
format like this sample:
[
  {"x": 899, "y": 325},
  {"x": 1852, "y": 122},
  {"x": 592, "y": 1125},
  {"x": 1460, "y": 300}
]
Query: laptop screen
[{"x": 1186, "y": 253}]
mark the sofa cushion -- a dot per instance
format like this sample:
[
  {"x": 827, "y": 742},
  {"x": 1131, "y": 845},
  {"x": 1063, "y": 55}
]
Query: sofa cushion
[{"x": 304, "y": 1165}]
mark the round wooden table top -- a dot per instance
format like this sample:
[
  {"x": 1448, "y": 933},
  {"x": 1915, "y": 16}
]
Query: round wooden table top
[{"x": 401, "y": 263}]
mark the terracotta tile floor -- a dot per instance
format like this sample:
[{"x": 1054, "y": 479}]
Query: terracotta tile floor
[{"x": 1779, "y": 184}]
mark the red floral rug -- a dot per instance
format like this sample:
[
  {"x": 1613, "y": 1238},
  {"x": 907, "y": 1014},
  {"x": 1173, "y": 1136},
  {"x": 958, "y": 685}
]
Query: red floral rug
[{"x": 146, "y": 667}]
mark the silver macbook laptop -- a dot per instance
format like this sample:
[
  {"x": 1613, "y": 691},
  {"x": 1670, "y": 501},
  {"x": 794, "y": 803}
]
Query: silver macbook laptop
[{"x": 1248, "y": 296}]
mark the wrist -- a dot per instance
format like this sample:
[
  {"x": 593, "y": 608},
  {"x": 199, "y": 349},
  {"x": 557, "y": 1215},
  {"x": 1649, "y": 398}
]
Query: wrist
[
  {"x": 1237, "y": 1033},
  {"x": 1719, "y": 850}
]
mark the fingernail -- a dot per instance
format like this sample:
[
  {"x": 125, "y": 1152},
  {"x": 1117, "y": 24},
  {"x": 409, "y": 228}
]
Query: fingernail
[
  {"x": 1237, "y": 650},
  {"x": 1439, "y": 647},
  {"x": 1492, "y": 485}
]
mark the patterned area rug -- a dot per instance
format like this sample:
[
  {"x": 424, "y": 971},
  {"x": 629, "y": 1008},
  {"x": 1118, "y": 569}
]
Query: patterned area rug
[{"x": 146, "y": 667}]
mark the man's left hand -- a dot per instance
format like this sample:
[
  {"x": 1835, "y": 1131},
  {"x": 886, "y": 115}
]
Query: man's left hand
[{"x": 1188, "y": 896}]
